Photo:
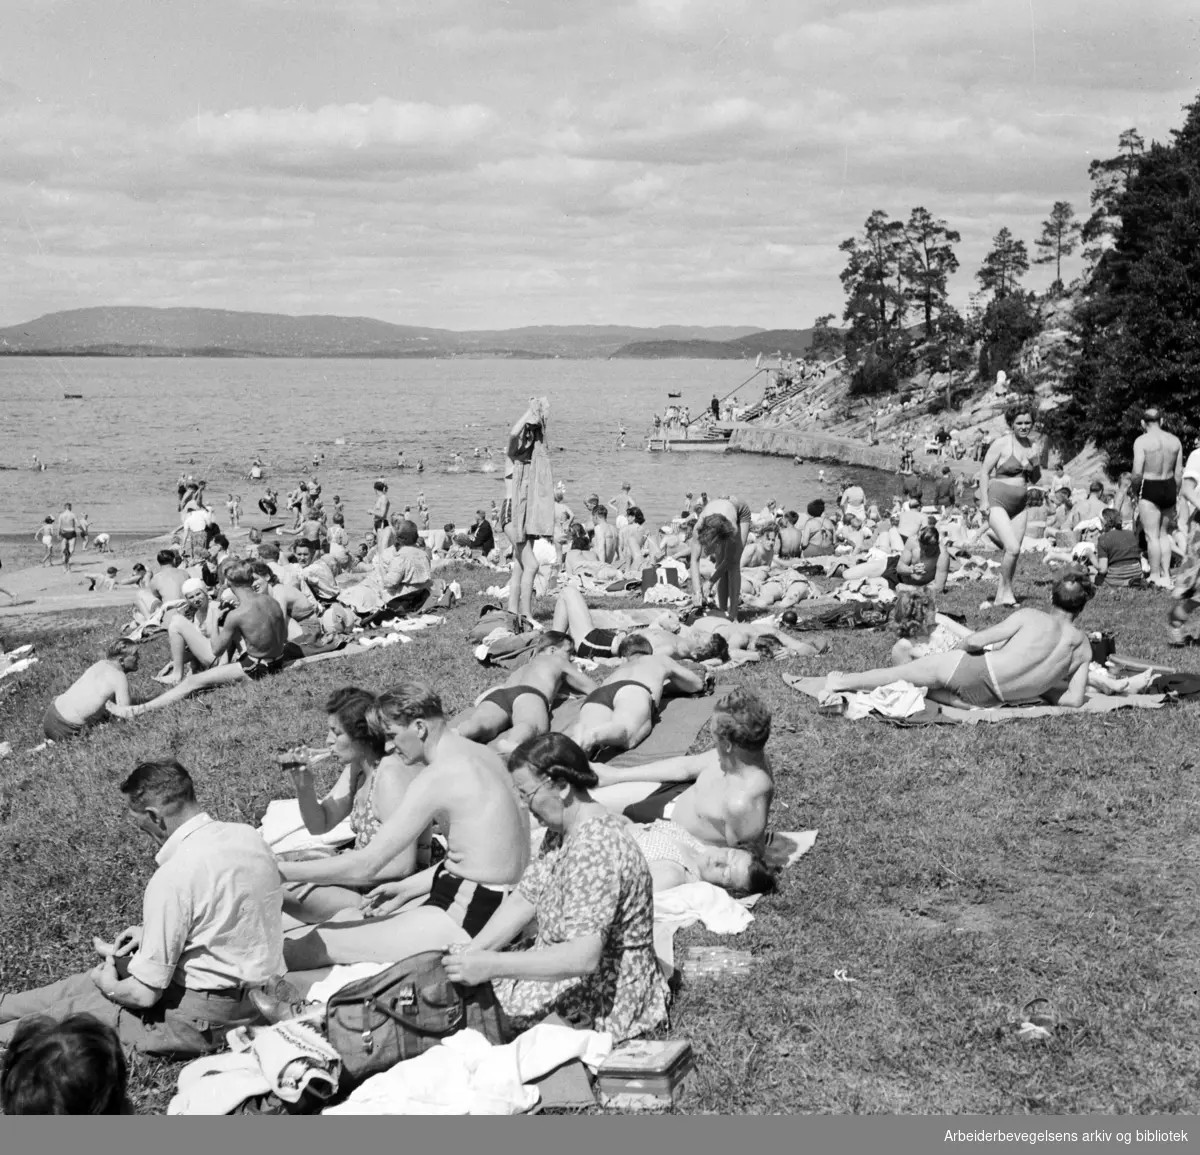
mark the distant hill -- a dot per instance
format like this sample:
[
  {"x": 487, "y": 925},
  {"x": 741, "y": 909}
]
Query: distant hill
[
  {"x": 791, "y": 342},
  {"x": 134, "y": 331}
]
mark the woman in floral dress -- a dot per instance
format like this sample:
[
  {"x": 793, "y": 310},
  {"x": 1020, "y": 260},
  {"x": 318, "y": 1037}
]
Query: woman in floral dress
[{"x": 593, "y": 961}]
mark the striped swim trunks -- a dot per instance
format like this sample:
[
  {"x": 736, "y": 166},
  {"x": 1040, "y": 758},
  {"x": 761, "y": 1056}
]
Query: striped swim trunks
[{"x": 469, "y": 904}]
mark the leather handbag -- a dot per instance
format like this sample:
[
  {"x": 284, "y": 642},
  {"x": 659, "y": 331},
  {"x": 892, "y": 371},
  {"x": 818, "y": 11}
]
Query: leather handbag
[{"x": 402, "y": 1012}]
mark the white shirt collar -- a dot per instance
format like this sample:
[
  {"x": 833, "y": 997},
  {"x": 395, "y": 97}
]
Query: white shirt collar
[{"x": 172, "y": 844}]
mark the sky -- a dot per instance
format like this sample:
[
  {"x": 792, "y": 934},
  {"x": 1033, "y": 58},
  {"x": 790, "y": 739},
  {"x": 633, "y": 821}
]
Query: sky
[{"x": 493, "y": 163}]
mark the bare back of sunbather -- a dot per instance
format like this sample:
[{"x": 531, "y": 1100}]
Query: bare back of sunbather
[
  {"x": 261, "y": 624},
  {"x": 1039, "y": 658},
  {"x": 84, "y": 700}
]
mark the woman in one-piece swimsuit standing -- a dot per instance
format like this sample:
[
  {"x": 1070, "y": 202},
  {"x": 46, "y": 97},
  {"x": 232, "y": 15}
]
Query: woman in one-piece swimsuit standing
[{"x": 1011, "y": 463}]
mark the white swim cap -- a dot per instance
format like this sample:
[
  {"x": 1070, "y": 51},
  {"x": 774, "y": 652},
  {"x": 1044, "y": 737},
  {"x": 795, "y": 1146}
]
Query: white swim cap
[{"x": 192, "y": 586}]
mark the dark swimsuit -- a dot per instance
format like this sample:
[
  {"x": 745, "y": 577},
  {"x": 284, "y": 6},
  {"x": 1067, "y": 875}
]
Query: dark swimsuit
[
  {"x": 1007, "y": 489},
  {"x": 598, "y": 644},
  {"x": 606, "y": 695},
  {"x": 505, "y": 696},
  {"x": 1160, "y": 492}
]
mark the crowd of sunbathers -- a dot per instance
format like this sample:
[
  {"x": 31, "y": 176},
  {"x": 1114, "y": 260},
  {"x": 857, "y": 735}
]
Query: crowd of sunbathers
[{"x": 458, "y": 833}]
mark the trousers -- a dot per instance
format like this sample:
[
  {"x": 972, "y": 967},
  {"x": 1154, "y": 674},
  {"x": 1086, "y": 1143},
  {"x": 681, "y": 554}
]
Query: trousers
[{"x": 182, "y": 1022}]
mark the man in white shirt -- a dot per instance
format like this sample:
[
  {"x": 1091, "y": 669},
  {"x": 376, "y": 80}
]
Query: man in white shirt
[{"x": 211, "y": 930}]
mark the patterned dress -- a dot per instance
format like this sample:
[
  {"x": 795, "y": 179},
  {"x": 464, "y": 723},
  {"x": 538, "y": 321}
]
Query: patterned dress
[{"x": 595, "y": 882}]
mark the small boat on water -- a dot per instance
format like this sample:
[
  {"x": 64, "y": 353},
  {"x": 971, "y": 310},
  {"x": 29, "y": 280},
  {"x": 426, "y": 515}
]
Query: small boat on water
[
  {"x": 674, "y": 394},
  {"x": 72, "y": 396}
]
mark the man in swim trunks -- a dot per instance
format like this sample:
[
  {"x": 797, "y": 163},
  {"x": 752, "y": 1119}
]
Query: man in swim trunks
[
  {"x": 1157, "y": 474},
  {"x": 604, "y": 537},
  {"x": 789, "y": 535},
  {"x": 467, "y": 788},
  {"x": 67, "y": 532},
  {"x": 253, "y": 635},
  {"x": 621, "y": 712},
  {"x": 83, "y": 703},
  {"x": 505, "y": 716},
  {"x": 1037, "y": 656},
  {"x": 722, "y": 796}
]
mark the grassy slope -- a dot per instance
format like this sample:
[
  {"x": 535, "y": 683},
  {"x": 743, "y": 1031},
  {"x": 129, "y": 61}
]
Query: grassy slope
[{"x": 959, "y": 873}]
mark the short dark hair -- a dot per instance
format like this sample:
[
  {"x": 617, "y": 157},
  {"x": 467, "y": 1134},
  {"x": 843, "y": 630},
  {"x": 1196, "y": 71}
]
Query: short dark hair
[
  {"x": 815, "y": 508},
  {"x": 1110, "y": 519},
  {"x": 166, "y": 557},
  {"x": 240, "y": 574},
  {"x": 309, "y": 544},
  {"x": 269, "y": 550},
  {"x": 352, "y": 707},
  {"x": 553, "y": 639},
  {"x": 633, "y": 645},
  {"x": 1072, "y": 592},
  {"x": 119, "y": 647},
  {"x": 762, "y": 878},
  {"x": 792, "y": 516},
  {"x": 714, "y": 646},
  {"x": 73, "y": 1067},
  {"x": 221, "y": 540},
  {"x": 742, "y": 718},
  {"x": 555, "y": 757},
  {"x": 1014, "y": 411},
  {"x": 164, "y": 784},
  {"x": 634, "y": 514},
  {"x": 929, "y": 540},
  {"x": 601, "y": 511},
  {"x": 407, "y": 533},
  {"x": 403, "y": 704}
]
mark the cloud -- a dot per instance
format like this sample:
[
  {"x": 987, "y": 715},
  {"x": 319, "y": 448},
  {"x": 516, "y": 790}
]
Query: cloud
[{"x": 383, "y": 132}]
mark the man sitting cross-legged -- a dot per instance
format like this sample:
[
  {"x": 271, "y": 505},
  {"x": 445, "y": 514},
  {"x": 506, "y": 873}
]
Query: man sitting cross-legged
[
  {"x": 253, "y": 634},
  {"x": 621, "y": 712},
  {"x": 505, "y": 716},
  {"x": 1037, "y": 655},
  {"x": 211, "y": 929},
  {"x": 721, "y": 796},
  {"x": 465, "y": 787}
]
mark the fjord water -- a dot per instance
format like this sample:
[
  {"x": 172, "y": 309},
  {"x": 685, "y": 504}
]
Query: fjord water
[{"x": 117, "y": 453}]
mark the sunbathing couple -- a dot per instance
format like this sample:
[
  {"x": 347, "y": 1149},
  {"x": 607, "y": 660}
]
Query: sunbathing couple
[{"x": 1030, "y": 656}]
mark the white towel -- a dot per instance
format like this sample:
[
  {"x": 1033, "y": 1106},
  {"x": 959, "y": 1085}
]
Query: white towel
[
  {"x": 895, "y": 700},
  {"x": 283, "y": 829},
  {"x": 467, "y": 1075},
  {"x": 218, "y": 1084},
  {"x": 693, "y": 902},
  {"x": 341, "y": 976}
]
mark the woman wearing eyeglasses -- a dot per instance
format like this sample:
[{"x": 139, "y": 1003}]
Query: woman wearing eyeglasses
[
  {"x": 593, "y": 961},
  {"x": 1010, "y": 465}
]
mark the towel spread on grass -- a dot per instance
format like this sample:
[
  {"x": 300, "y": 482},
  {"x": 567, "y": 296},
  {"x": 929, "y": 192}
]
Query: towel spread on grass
[
  {"x": 680, "y": 720},
  {"x": 467, "y": 1075},
  {"x": 935, "y": 712}
]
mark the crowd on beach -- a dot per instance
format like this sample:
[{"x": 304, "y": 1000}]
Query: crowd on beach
[{"x": 461, "y": 833}]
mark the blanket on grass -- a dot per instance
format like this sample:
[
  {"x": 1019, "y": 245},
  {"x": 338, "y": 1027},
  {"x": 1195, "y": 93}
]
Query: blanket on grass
[{"x": 935, "y": 713}]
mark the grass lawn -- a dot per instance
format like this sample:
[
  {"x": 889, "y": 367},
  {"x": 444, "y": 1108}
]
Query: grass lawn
[{"x": 959, "y": 874}]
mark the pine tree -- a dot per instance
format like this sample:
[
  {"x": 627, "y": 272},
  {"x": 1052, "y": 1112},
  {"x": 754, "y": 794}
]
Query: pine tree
[
  {"x": 1060, "y": 238},
  {"x": 874, "y": 306},
  {"x": 1003, "y": 267},
  {"x": 1109, "y": 179},
  {"x": 926, "y": 263}
]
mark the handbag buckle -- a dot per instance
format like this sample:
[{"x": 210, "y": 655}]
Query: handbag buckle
[{"x": 368, "y": 1042}]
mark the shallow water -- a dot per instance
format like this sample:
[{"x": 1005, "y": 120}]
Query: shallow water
[{"x": 117, "y": 453}]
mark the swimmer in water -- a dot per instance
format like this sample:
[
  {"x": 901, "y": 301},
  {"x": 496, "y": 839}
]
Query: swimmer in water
[
  {"x": 400, "y": 460},
  {"x": 420, "y": 467}
]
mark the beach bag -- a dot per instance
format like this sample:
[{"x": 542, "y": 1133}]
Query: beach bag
[
  {"x": 491, "y": 617},
  {"x": 510, "y": 650},
  {"x": 404, "y": 1011}
]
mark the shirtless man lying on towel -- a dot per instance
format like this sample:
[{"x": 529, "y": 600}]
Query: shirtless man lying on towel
[
  {"x": 1038, "y": 656},
  {"x": 505, "y": 716},
  {"x": 83, "y": 703},
  {"x": 722, "y": 796},
  {"x": 621, "y": 712},
  {"x": 256, "y": 626}
]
